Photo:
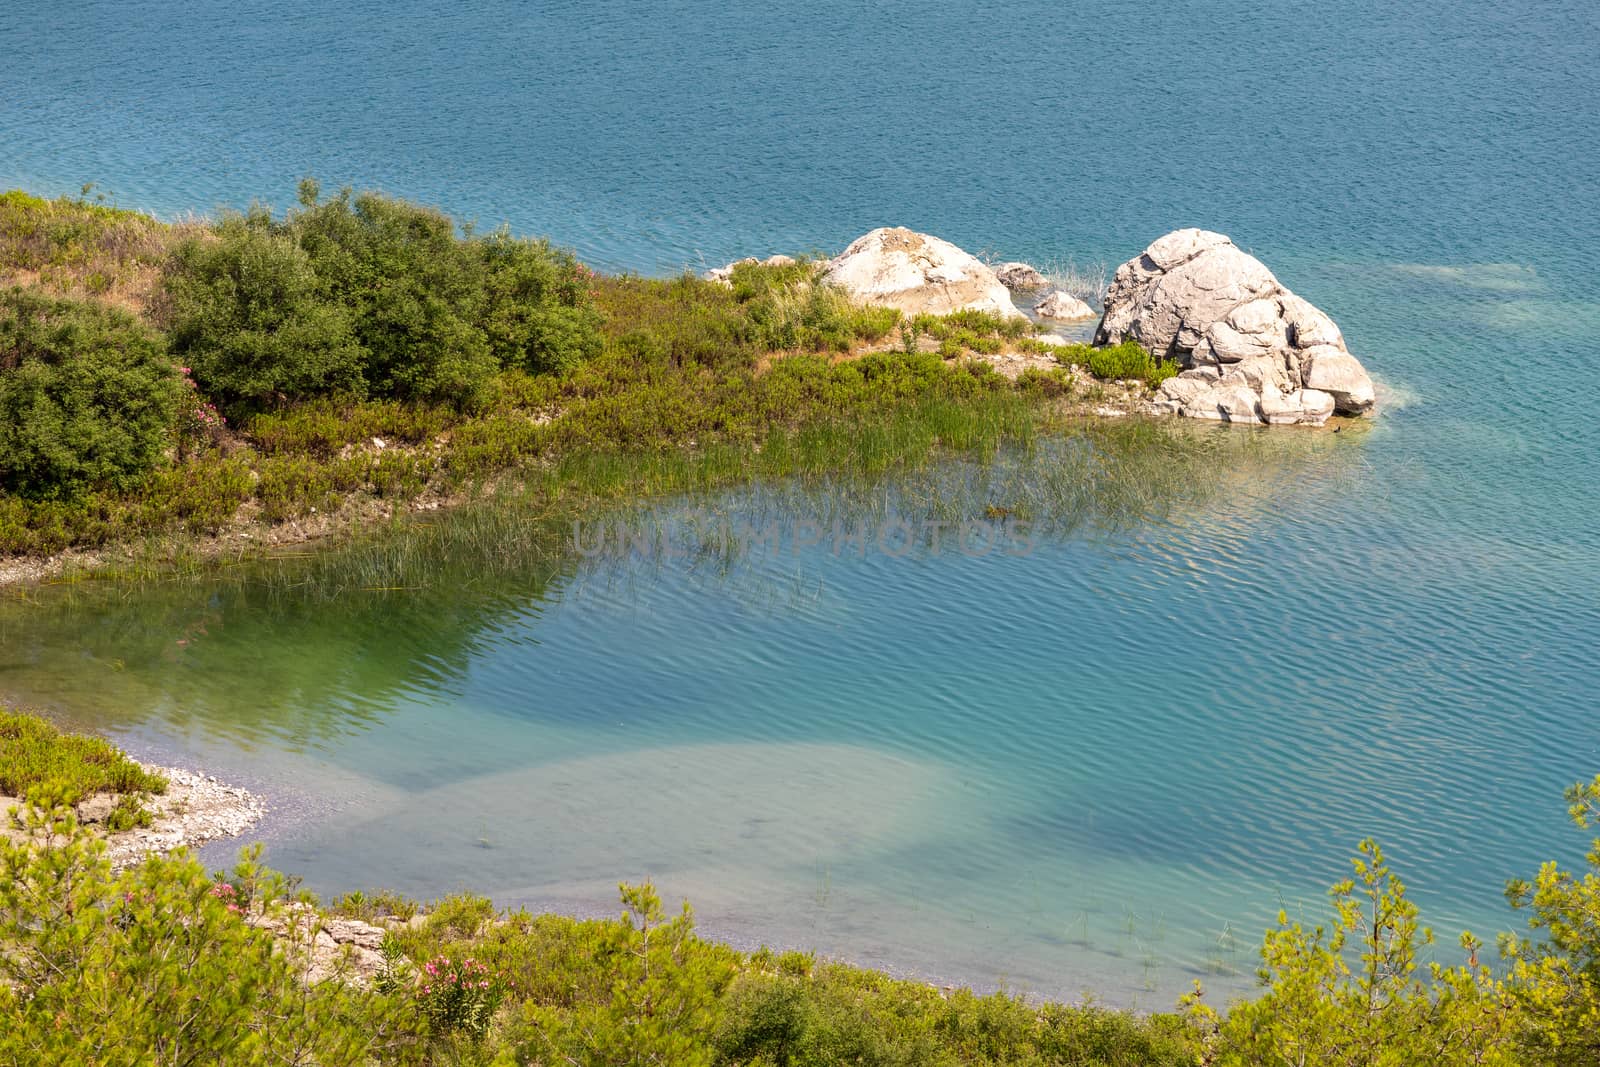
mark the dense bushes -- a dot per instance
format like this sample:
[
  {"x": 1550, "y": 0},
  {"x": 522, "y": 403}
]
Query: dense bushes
[
  {"x": 87, "y": 396},
  {"x": 369, "y": 296},
  {"x": 255, "y": 322},
  {"x": 158, "y": 965}
]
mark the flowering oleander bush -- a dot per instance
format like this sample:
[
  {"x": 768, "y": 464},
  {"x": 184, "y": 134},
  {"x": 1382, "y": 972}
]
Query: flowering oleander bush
[
  {"x": 199, "y": 423},
  {"x": 459, "y": 995}
]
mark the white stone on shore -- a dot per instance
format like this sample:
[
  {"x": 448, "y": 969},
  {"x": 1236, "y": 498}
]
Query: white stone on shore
[
  {"x": 918, "y": 274},
  {"x": 194, "y": 809}
]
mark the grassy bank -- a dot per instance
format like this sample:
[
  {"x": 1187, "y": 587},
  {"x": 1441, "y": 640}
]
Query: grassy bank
[
  {"x": 41, "y": 763},
  {"x": 361, "y": 357}
]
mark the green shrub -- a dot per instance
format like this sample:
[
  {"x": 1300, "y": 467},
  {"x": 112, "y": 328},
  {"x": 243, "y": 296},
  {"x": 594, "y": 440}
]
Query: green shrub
[
  {"x": 1055, "y": 382},
  {"x": 663, "y": 1005},
  {"x": 87, "y": 396},
  {"x": 159, "y": 965},
  {"x": 1356, "y": 991},
  {"x": 1121, "y": 361},
  {"x": 1556, "y": 973},
  {"x": 364, "y": 294},
  {"x": 412, "y": 290},
  {"x": 254, "y": 321},
  {"x": 34, "y": 753},
  {"x": 538, "y": 311}
]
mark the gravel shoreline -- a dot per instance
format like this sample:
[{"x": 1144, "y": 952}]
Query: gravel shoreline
[{"x": 196, "y": 808}]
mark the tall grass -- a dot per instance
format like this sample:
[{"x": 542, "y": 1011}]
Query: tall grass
[
  {"x": 77, "y": 247},
  {"x": 1087, "y": 281}
]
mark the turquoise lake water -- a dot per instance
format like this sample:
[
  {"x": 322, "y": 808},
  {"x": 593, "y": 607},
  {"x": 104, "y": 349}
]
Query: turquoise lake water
[{"x": 1101, "y": 765}]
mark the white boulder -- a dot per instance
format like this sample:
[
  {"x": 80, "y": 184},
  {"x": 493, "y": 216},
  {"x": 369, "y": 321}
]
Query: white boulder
[
  {"x": 918, "y": 274},
  {"x": 1196, "y": 298}
]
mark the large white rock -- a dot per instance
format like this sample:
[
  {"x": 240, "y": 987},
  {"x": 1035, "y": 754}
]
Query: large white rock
[
  {"x": 918, "y": 274},
  {"x": 1194, "y": 297}
]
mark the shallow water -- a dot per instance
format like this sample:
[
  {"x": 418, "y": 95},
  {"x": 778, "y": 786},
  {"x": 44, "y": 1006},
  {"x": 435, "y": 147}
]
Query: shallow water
[{"x": 1100, "y": 765}]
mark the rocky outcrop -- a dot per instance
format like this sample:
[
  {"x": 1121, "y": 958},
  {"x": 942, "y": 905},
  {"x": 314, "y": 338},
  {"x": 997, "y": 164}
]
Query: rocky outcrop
[
  {"x": 1063, "y": 306},
  {"x": 322, "y": 946},
  {"x": 195, "y": 809},
  {"x": 1019, "y": 277},
  {"x": 918, "y": 274},
  {"x": 1251, "y": 350}
]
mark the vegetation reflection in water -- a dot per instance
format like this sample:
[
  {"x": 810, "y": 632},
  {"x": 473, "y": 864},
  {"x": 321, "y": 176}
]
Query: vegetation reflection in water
[{"x": 401, "y": 608}]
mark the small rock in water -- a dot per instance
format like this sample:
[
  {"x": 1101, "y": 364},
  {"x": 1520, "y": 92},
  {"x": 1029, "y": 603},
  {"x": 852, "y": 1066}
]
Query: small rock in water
[
  {"x": 1062, "y": 305},
  {"x": 1019, "y": 277}
]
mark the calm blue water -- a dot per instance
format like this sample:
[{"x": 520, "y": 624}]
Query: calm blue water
[{"x": 1102, "y": 765}]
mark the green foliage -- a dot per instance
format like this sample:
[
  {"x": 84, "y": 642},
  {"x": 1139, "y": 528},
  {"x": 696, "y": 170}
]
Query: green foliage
[
  {"x": 843, "y": 1015},
  {"x": 1121, "y": 361},
  {"x": 255, "y": 322},
  {"x": 34, "y": 754},
  {"x": 1556, "y": 977},
  {"x": 87, "y": 396},
  {"x": 1055, "y": 382},
  {"x": 363, "y": 294},
  {"x": 972, "y": 324},
  {"x": 663, "y": 1006},
  {"x": 159, "y": 965},
  {"x": 1354, "y": 993}
]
